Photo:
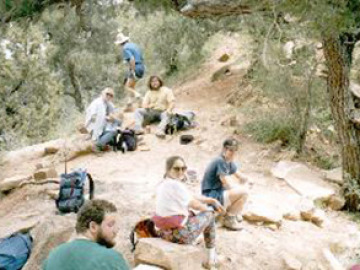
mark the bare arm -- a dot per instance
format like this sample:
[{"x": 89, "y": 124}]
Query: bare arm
[
  {"x": 211, "y": 201},
  {"x": 226, "y": 181},
  {"x": 171, "y": 107},
  {"x": 241, "y": 177},
  {"x": 132, "y": 64},
  {"x": 198, "y": 205}
]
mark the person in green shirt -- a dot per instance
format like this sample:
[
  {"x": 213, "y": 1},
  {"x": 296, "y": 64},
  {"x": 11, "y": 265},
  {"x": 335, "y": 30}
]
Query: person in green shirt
[{"x": 96, "y": 227}]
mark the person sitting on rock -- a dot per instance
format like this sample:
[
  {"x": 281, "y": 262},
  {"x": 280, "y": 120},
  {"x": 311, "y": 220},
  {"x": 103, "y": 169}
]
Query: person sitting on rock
[
  {"x": 96, "y": 228},
  {"x": 218, "y": 183},
  {"x": 111, "y": 130},
  {"x": 97, "y": 117},
  {"x": 173, "y": 218},
  {"x": 158, "y": 104}
]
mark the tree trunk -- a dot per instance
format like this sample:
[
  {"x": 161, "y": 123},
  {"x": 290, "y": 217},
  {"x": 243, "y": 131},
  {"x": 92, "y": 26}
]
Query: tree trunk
[
  {"x": 306, "y": 116},
  {"x": 338, "y": 55},
  {"x": 77, "y": 88}
]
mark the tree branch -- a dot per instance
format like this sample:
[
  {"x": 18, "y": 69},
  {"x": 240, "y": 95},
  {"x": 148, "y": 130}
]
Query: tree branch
[{"x": 203, "y": 8}]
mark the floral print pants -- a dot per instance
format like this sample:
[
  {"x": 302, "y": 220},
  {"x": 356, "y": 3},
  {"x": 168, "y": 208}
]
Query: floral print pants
[{"x": 204, "y": 222}]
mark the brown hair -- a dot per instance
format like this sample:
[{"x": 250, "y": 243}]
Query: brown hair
[
  {"x": 170, "y": 163},
  {"x": 153, "y": 77},
  {"x": 94, "y": 210}
]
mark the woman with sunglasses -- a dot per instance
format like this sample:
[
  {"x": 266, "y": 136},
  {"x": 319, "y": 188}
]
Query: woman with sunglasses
[{"x": 175, "y": 221}]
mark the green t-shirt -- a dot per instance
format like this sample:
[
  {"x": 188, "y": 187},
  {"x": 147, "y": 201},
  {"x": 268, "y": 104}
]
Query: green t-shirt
[{"x": 82, "y": 254}]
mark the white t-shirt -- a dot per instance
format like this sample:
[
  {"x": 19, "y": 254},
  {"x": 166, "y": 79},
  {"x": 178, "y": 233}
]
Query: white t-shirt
[{"x": 172, "y": 198}]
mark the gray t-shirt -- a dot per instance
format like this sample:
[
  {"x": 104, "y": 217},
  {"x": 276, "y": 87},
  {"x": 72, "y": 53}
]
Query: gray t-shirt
[{"x": 218, "y": 167}]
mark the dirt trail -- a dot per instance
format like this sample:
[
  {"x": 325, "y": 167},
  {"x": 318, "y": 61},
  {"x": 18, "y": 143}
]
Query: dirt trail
[{"x": 130, "y": 181}]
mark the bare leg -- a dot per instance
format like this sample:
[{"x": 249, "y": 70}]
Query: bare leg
[{"x": 238, "y": 197}]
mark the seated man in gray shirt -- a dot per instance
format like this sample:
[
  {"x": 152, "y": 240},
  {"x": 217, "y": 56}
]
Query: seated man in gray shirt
[{"x": 217, "y": 183}]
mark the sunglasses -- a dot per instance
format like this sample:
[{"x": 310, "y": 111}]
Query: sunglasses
[
  {"x": 110, "y": 95},
  {"x": 178, "y": 169}
]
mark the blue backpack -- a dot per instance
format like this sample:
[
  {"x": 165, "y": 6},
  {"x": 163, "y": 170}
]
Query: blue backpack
[
  {"x": 71, "y": 193},
  {"x": 14, "y": 251}
]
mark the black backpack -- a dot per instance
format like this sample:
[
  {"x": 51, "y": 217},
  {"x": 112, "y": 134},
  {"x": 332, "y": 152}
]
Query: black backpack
[
  {"x": 71, "y": 193},
  {"x": 176, "y": 123},
  {"x": 15, "y": 251},
  {"x": 126, "y": 141}
]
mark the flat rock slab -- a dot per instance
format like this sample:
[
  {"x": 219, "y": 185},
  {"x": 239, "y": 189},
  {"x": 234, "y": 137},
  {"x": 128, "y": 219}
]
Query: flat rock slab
[
  {"x": 263, "y": 209},
  {"x": 158, "y": 252},
  {"x": 300, "y": 178},
  {"x": 13, "y": 182},
  {"x": 335, "y": 176}
]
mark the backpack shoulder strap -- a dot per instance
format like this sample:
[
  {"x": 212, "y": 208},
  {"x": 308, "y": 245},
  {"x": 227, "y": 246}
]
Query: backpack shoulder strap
[{"x": 92, "y": 186}]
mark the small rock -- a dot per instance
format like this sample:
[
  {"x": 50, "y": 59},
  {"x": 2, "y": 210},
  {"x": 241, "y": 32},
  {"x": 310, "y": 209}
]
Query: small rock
[
  {"x": 43, "y": 174},
  {"x": 256, "y": 214},
  {"x": 290, "y": 262},
  {"x": 158, "y": 252},
  {"x": 42, "y": 165},
  {"x": 293, "y": 216},
  {"x": 272, "y": 226},
  {"x": 13, "y": 182},
  {"x": 53, "y": 194},
  {"x": 224, "y": 58},
  {"x": 335, "y": 202},
  {"x": 289, "y": 49},
  {"x": 51, "y": 150},
  {"x": 290, "y": 19},
  {"x": 318, "y": 217}
]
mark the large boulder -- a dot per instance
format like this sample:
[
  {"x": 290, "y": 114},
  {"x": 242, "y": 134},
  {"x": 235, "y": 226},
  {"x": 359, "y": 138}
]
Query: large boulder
[
  {"x": 303, "y": 180},
  {"x": 50, "y": 233},
  {"x": 13, "y": 182},
  {"x": 158, "y": 252},
  {"x": 31, "y": 152}
]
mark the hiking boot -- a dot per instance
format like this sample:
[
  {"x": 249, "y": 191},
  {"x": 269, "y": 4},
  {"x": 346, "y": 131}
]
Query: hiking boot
[
  {"x": 231, "y": 223},
  {"x": 160, "y": 134}
]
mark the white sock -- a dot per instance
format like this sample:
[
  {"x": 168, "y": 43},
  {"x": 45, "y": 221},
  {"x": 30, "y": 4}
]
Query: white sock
[{"x": 211, "y": 255}]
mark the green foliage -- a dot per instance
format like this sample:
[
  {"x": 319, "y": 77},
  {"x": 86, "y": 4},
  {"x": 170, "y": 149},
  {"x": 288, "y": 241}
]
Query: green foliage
[
  {"x": 31, "y": 89},
  {"x": 23, "y": 8},
  {"x": 352, "y": 194},
  {"x": 331, "y": 16},
  {"x": 273, "y": 127}
]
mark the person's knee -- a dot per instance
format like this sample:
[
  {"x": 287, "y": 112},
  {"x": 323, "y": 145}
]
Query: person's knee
[{"x": 239, "y": 193}]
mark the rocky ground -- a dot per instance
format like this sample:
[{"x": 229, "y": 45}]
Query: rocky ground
[{"x": 284, "y": 226}]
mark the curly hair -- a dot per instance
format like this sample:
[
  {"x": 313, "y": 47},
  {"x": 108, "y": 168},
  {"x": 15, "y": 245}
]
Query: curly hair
[{"x": 94, "y": 210}]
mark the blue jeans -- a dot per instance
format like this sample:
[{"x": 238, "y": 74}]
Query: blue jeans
[{"x": 105, "y": 138}]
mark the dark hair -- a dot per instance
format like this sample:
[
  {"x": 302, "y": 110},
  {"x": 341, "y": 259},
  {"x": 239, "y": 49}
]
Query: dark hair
[
  {"x": 153, "y": 77},
  {"x": 94, "y": 210},
  {"x": 170, "y": 163},
  {"x": 231, "y": 143}
]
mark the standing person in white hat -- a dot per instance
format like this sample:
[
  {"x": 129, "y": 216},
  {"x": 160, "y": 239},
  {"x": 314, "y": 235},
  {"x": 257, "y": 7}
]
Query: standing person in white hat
[{"x": 133, "y": 56}]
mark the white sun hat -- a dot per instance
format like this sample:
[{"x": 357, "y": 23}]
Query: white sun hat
[{"x": 121, "y": 38}]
